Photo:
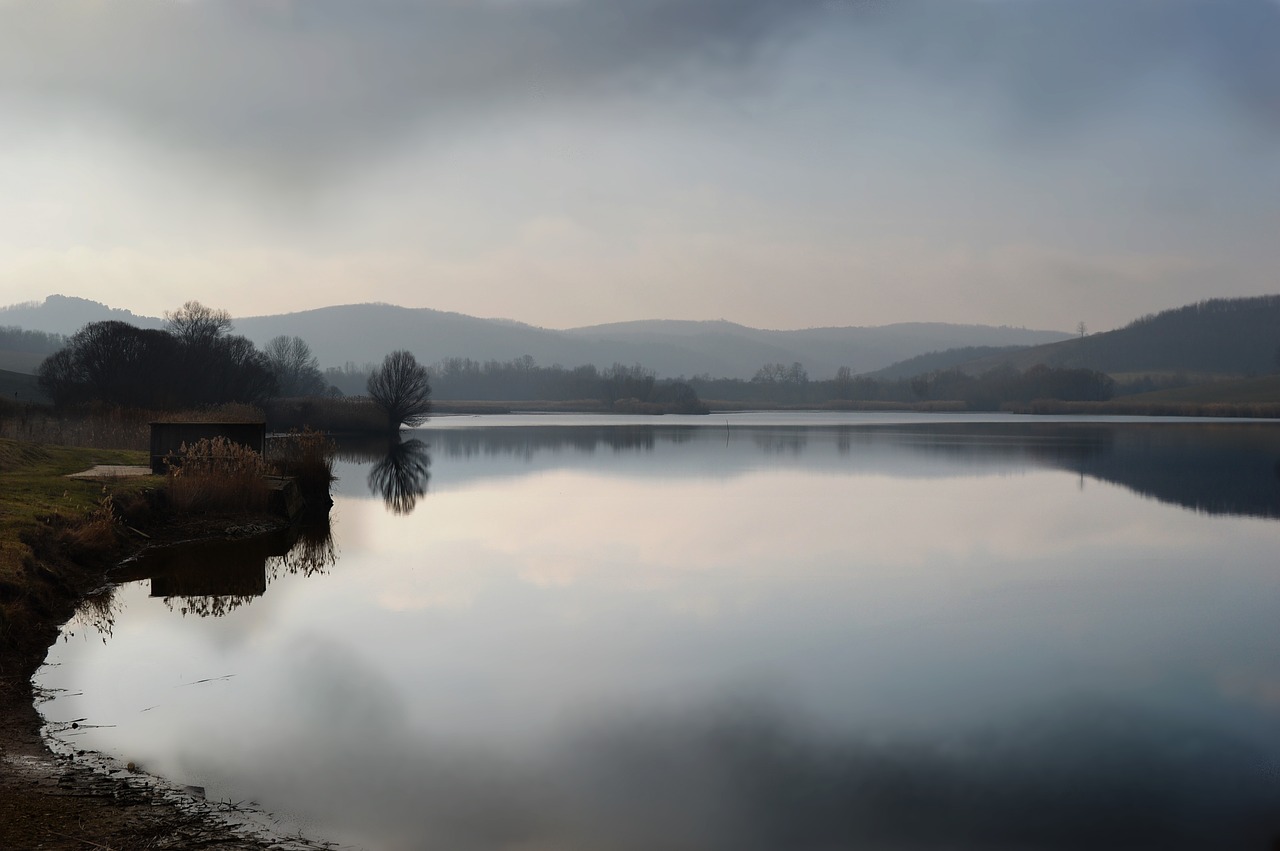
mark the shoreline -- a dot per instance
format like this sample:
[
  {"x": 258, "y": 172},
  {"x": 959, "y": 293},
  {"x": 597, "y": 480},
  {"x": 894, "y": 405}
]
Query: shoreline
[{"x": 80, "y": 799}]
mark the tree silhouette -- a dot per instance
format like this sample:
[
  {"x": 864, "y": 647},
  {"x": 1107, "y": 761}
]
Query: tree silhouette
[
  {"x": 196, "y": 323},
  {"x": 401, "y": 389},
  {"x": 195, "y": 362},
  {"x": 296, "y": 369}
]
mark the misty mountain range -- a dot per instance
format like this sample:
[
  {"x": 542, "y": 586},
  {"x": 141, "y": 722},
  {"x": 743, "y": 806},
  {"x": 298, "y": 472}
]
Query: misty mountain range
[{"x": 364, "y": 333}]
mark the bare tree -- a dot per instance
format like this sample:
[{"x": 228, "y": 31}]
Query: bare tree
[
  {"x": 195, "y": 323},
  {"x": 401, "y": 389},
  {"x": 1081, "y": 328},
  {"x": 296, "y": 369}
]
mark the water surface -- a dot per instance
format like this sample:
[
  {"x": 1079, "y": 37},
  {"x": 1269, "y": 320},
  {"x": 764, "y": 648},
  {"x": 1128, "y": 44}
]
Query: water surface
[{"x": 781, "y": 631}]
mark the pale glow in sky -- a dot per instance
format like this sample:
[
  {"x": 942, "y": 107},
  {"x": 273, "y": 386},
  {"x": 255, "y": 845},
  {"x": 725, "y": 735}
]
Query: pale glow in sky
[{"x": 779, "y": 164}]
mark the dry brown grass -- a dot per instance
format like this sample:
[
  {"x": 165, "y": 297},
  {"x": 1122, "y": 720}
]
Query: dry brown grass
[
  {"x": 230, "y": 412},
  {"x": 108, "y": 428},
  {"x": 97, "y": 532},
  {"x": 114, "y": 429},
  {"x": 355, "y": 415},
  {"x": 306, "y": 456},
  {"x": 217, "y": 475}
]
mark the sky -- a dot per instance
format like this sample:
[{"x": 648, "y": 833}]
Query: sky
[{"x": 779, "y": 163}]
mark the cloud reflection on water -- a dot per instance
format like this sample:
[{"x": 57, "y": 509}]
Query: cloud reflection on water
[
  {"x": 744, "y": 774},
  {"x": 710, "y": 644},
  {"x": 1220, "y": 468}
]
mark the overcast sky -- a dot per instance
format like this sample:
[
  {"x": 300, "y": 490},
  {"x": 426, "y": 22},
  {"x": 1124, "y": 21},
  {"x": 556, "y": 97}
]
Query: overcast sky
[{"x": 780, "y": 163}]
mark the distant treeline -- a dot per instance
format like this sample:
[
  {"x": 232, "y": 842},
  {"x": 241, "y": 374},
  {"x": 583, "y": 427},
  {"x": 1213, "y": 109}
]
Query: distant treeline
[
  {"x": 15, "y": 339},
  {"x": 523, "y": 379},
  {"x": 779, "y": 384}
]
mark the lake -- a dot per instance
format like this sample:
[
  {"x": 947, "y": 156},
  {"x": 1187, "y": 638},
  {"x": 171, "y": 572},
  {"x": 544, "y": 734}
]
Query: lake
[{"x": 790, "y": 631}]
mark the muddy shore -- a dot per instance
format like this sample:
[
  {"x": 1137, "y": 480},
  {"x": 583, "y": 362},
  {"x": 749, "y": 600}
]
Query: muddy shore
[{"x": 52, "y": 802}]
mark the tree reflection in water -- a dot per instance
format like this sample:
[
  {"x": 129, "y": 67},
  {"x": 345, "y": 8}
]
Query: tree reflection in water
[
  {"x": 245, "y": 574},
  {"x": 400, "y": 477},
  {"x": 215, "y": 579}
]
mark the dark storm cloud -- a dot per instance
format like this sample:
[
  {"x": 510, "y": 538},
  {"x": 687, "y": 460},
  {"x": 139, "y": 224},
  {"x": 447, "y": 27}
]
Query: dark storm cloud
[
  {"x": 279, "y": 76},
  {"x": 290, "y": 78}
]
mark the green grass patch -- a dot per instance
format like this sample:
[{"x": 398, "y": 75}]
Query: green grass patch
[{"x": 35, "y": 493}]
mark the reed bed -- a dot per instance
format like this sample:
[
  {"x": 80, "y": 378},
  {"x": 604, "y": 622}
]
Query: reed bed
[
  {"x": 114, "y": 429},
  {"x": 305, "y": 456},
  {"x": 107, "y": 428},
  {"x": 217, "y": 475},
  {"x": 353, "y": 415}
]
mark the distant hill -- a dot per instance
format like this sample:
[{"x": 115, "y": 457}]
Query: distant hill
[
  {"x": 1228, "y": 337},
  {"x": 726, "y": 350},
  {"x": 364, "y": 333},
  {"x": 1223, "y": 336},
  {"x": 934, "y": 361},
  {"x": 27, "y": 362},
  {"x": 61, "y": 314}
]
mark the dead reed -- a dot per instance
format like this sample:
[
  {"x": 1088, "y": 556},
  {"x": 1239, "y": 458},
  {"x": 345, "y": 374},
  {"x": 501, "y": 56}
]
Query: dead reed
[
  {"x": 352, "y": 415},
  {"x": 107, "y": 427},
  {"x": 306, "y": 456},
  {"x": 215, "y": 474}
]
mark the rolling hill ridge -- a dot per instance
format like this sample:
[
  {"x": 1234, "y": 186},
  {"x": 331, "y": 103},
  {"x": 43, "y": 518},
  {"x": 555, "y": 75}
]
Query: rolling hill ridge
[
  {"x": 364, "y": 333},
  {"x": 1222, "y": 336}
]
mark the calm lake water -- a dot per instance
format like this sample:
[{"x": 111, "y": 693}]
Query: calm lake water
[{"x": 753, "y": 632}]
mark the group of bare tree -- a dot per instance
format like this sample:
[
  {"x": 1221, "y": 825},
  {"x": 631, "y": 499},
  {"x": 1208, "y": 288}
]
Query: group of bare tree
[
  {"x": 195, "y": 360},
  {"x": 296, "y": 369}
]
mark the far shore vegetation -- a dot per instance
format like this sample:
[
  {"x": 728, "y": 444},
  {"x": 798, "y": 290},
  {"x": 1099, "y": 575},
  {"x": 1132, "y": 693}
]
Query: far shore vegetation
[{"x": 103, "y": 384}]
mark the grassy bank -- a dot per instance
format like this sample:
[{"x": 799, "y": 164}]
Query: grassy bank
[
  {"x": 58, "y": 538},
  {"x": 53, "y": 530}
]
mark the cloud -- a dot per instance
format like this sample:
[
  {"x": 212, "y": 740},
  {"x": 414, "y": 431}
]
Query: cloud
[
  {"x": 291, "y": 80},
  {"x": 319, "y": 77},
  {"x": 1061, "y": 61}
]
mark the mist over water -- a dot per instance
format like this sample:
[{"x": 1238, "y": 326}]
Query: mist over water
[{"x": 775, "y": 632}]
